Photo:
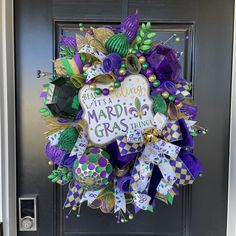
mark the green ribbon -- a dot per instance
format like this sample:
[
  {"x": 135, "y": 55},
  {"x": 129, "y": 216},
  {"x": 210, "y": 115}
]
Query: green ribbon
[{"x": 67, "y": 66}]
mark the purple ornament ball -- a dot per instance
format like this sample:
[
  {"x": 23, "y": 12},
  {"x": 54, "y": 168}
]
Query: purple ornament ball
[
  {"x": 121, "y": 78},
  {"x": 105, "y": 91}
]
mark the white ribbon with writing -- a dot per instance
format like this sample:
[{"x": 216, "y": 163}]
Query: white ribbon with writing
[
  {"x": 135, "y": 136},
  {"x": 54, "y": 138},
  {"x": 142, "y": 200},
  {"x": 90, "y": 196},
  {"x": 92, "y": 51},
  {"x": 80, "y": 145},
  {"x": 120, "y": 202}
]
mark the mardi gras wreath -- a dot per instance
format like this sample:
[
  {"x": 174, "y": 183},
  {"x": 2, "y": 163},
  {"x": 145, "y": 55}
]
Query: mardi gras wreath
[{"x": 120, "y": 120}]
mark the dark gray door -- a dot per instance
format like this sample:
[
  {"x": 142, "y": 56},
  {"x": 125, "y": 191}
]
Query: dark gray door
[{"x": 198, "y": 211}]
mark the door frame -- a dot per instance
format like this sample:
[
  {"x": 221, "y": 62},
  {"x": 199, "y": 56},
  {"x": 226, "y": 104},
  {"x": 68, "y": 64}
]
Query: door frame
[
  {"x": 231, "y": 214},
  {"x": 7, "y": 119},
  {"x": 8, "y": 206}
]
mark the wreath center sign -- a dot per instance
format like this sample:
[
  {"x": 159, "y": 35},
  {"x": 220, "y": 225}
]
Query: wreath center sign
[{"x": 128, "y": 108}]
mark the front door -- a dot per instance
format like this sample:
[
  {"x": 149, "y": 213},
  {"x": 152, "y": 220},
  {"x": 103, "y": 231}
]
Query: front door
[{"x": 204, "y": 29}]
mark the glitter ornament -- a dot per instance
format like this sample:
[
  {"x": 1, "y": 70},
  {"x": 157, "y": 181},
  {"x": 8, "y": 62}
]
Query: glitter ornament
[
  {"x": 118, "y": 43},
  {"x": 93, "y": 170}
]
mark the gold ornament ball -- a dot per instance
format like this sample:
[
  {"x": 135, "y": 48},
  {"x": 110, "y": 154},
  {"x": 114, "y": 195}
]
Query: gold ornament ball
[
  {"x": 122, "y": 71},
  {"x": 177, "y": 39},
  {"x": 111, "y": 88},
  {"x": 152, "y": 78},
  {"x": 122, "y": 220},
  {"x": 85, "y": 68},
  {"x": 92, "y": 86},
  {"x": 142, "y": 59},
  {"x": 74, "y": 208},
  {"x": 50, "y": 163},
  {"x": 165, "y": 94},
  {"x": 131, "y": 216}
]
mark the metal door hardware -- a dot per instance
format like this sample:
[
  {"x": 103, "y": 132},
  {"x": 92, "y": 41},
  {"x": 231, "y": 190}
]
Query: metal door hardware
[{"x": 28, "y": 213}]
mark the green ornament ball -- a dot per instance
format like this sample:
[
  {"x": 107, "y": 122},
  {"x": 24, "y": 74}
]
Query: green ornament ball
[
  {"x": 145, "y": 65},
  {"x": 117, "y": 84},
  {"x": 171, "y": 98},
  {"x": 156, "y": 83},
  {"x": 98, "y": 91},
  {"x": 118, "y": 43}
]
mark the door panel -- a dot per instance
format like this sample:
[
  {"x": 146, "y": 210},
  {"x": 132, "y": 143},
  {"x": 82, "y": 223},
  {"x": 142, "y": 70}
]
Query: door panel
[
  {"x": 199, "y": 210},
  {"x": 161, "y": 215}
]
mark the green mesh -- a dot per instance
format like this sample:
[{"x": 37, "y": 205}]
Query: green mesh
[
  {"x": 68, "y": 139},
  {"x": 159, "y": 104}
]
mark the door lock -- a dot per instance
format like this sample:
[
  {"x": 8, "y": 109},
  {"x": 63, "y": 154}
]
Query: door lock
[{"x": 28, "y": 213}]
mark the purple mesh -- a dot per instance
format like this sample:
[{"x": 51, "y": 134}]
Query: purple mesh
[
  {"x": 54, "y": 154},
  {"x": 68, "y": 41}
]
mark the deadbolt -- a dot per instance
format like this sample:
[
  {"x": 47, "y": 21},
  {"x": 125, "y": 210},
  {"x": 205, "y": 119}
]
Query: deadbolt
[{"x": 28, "y": 213}]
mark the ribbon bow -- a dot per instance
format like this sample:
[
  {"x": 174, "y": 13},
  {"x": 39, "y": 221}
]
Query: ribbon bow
[{"x": 151, "y": 135}]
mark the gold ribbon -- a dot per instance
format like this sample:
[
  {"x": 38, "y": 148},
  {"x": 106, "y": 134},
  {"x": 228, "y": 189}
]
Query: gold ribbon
[{"x": 151, "y": 135}]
